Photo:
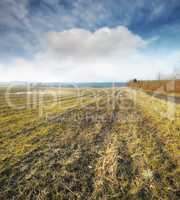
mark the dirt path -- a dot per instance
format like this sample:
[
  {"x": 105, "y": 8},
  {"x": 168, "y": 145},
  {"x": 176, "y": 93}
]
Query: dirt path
[{"x": 173, "y": 99}]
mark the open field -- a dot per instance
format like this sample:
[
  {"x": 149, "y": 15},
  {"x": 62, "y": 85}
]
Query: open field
[{"x": 88, "y": 144}]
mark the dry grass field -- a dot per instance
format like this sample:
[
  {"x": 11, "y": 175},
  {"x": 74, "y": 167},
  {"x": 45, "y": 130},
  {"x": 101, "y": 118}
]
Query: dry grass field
[
  {"x": 88, "y": 144},
  {"x": 163, "y": 86}
]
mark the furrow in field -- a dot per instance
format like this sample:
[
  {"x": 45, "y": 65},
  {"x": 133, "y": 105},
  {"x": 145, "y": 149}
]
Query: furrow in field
[
  {"x": 61, "y": 149},
  {"x": 97, "y": 151},
  {"x": 162, "y": 167},
  {"x": 135, "y": 164},
  {"x": 114, "y": 169},
  {"x": 22, "y": 140},
  {"x": 27, "y": 123},
  {"x": 78, "y": 177},
  {"x": 155, "y": 172}
]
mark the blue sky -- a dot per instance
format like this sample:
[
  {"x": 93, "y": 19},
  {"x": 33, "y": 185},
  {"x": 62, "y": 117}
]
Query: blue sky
[{"x": 32, "y": 42}]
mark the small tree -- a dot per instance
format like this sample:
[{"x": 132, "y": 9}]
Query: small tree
[{"x": 135, "y": 80}]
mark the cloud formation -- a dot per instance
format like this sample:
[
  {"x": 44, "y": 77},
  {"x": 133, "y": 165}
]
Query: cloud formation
[
  {"x": 87, "y": 40},
  {"x": 82, "y": 44},
  {"x": 24, "y": 22},
  {"x": 107, "y": 54}
]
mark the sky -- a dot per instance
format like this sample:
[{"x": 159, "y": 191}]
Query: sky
[{"x": 88, "y": 40}]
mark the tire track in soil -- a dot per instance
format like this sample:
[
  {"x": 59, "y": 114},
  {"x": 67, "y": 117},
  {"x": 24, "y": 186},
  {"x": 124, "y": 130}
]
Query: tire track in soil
[
  {"x": 115, "y": 178},
  {"x": 166, "y": 175},
  {"x": 39, "y": 122},
  {"x": 34, "y": 107},
  {"x": 65, "y": 117},
  {"x": 77, "y": 182},
  {"x": 125, "y": 171},
  {"x": 128, "y": 170},
  {"x": 81, "y": 172},
  {"x": 68, "y": 117},
  {"x": 148, "y": 135}
]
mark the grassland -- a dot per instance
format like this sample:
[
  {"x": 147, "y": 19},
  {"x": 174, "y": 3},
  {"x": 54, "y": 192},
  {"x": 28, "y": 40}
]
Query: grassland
[{"x": 88, "y": 144}]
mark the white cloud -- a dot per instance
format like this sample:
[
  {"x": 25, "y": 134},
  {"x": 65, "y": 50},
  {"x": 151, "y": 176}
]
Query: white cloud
[
  {"x": 83, "y": 44},
  {"x": 108, "y": 54}
]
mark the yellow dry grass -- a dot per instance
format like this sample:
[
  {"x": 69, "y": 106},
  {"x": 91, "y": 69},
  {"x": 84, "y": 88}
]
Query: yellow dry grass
[{"x": 121, "y": 144}]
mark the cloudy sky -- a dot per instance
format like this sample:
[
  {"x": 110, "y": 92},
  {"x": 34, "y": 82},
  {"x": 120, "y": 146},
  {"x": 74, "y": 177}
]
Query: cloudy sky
[{"x": 88, "y": 40}]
